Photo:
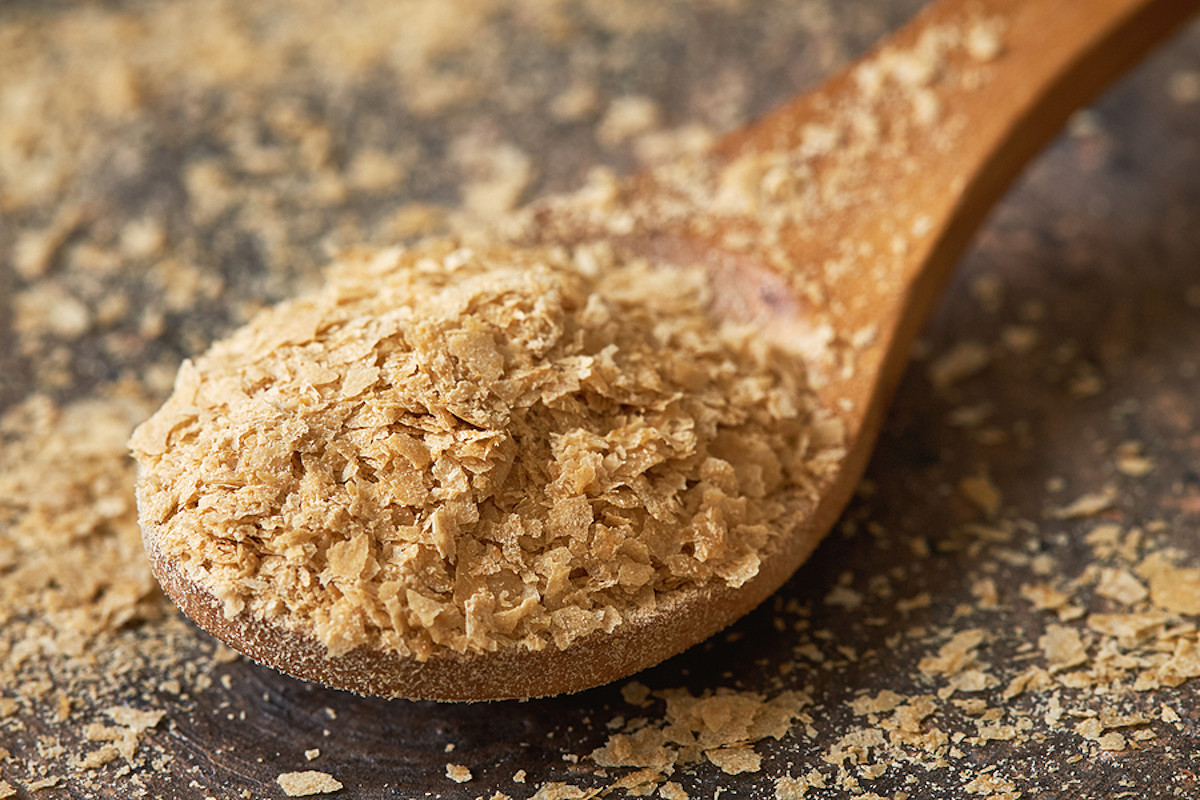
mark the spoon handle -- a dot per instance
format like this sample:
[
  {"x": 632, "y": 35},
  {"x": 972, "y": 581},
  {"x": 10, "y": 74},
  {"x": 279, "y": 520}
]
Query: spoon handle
[{"x": 908, "y": 149}]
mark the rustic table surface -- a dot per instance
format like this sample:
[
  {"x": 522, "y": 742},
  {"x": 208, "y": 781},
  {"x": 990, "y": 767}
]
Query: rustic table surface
[{"x": 166, "y": 168}]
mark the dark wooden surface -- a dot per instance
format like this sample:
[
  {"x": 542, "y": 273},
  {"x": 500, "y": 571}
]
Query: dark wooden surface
[{"x": 1097, "y": 249}]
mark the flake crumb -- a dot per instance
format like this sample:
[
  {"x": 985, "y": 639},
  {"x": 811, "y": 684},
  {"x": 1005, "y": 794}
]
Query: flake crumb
[
  {"x": 963, "y": 361},
  {"x": 735, "y": 760},
  {"x": 982, "y": 493},
  {"x": 1120, "y": 585},
  {"x": 1087, "y": 505},
  {"x": 672, "y": 791},
  {"x": 308, "y": 782},
  {"x": 559, "y": 790},
  {"x": 1172, "y": 588},
  {"x": 458, "y": 773},
  {"x": 1062, "y": 647}
]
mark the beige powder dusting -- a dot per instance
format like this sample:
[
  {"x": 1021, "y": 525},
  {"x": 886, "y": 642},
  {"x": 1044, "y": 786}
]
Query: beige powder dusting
[{"x": 445, "y": 448}]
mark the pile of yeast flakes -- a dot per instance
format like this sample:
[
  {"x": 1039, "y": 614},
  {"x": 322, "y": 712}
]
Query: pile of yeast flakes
[{"x": 476, "y": 449}]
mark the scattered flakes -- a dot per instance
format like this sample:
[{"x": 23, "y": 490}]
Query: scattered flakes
[
  {"x": 988, "y": 732},
  {"x": 308, "y": 782},
  {"x": 1087, "y": 505},
  {"x": 989, "y": 783},
  {"x": 963, "y": 361},
  {"x": 576, "y": 103},
  {"x": 844, "y": 596},
  {"x": 498, "y": 174},
  {"x": 559, "y": 790},
  {"x": 1085, "y": 382},
  {"x": 672, "y": 791},
  {"x": 982, "y": 493},
  {"x": 568, "y": 364},
  {"x": 458, "y": 773},
  {"x": 636, "y": 693},
  {"x": 312, "y": 755},
  {"x": 721, "y": 726},
  {"x": 1104, "y": 539},
  {"x": 970, "y": 416},
  {"x": 884, "y": 701},
  {"x": 34, "y": 251},
  {"x": 988, "y": 291},
  {"x": 970, "y": 680},
  {"x": 955, "y": 655},
  {"x": 1131, "y": 461},
  {"x": 1032, "y": 679},
  {"x": 1127, "y": 629},
  {"x": 1120, "y": 585},
  {"x": 1020, "y": 339},
  {"x": 855, "y": 746},
  {"x": 987, "y": 596},
  {"x": 1183, "y": 664},
  {"x": 1062, "y": 647},
  {"x": 735, "y": 760},
  {"x": 920, "y": 600},
  {"x": 44, "y": 783},
  {"x": 1172, "y": 588},
  {"x": 789, "y": 788},
  {"x": 134, "y": 719}
]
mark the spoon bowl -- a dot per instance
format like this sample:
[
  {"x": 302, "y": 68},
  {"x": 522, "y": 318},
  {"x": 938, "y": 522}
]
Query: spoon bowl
[{"x": 832, "y": 225}]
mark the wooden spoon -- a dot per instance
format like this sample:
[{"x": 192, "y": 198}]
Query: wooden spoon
[{"x": 837, "y": 219}]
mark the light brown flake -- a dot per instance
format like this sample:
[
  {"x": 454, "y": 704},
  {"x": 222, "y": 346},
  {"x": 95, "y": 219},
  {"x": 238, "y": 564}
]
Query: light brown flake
[
  {"x": 963, "y": 361},
  {"x": 989, "y": 783},
  {"x": 1120, "y": 585},
  {"x": 559, "y": 790},
  {"x": 1128, "y": 629},
  {"x": 672, "y": 791},
  {"x": 735, "y": 760},
  {"x": 458, "y": 773},
  {"x": 1044, "y": 597},
  {"x": 308, "y": 782},
  {"x": 955, "y": 655},
  {"x": 982, "y": 493},
  {"x": 884, "y": 701},
  {"x": 1062, "y": 647},
  {"x": 1172, "y": 588},
  {"x": 1087, "y": 505}
]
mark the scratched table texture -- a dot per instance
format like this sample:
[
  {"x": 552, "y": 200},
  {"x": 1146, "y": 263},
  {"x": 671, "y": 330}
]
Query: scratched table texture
[{"x": 1002, "y": 611}]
